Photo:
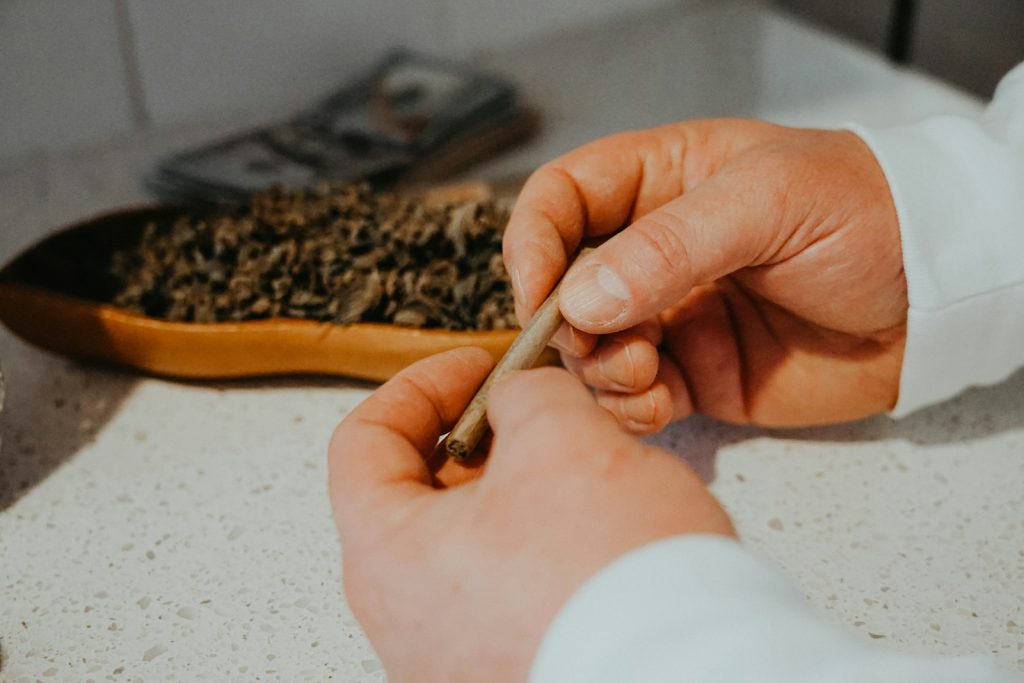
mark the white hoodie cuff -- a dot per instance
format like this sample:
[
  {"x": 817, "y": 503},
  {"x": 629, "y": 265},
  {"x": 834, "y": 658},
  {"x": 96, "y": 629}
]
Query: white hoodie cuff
[
  {"x": 959, "y": 196},
  {"x": 702, "y": 609}
]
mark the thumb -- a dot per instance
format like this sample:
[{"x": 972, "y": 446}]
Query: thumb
[
  {"x": 544, "y": 420},
  {"x": 725, "y": 224}
]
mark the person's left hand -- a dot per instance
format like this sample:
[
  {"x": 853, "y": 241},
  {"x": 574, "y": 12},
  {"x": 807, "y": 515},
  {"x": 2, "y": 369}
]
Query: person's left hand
[{"x": 461, "y": 583}]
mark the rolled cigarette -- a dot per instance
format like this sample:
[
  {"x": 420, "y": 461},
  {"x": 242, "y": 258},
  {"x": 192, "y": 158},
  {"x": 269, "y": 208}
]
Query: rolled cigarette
[{"x": 522, "y": 354}]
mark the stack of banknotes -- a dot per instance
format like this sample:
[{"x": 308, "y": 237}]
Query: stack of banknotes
[{"x": 411, "y": 119}]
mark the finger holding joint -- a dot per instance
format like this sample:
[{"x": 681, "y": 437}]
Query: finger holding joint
[{"x": 625, "y": 362}]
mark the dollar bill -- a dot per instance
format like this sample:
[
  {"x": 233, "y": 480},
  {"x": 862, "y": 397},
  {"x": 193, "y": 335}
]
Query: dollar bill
[{"x": 376, "y": 128}]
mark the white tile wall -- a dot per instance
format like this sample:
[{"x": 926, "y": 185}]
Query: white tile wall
[
  {"x": 202, "y": 57},
  {"x": 482, "y": 24},
  {"x": 697, "y": 63},
  {"x": 65, "y": 78},
  {"x": 62, "y": 80}
]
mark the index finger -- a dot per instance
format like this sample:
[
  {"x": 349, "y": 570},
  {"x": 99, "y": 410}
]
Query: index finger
[
  {"x": 600, "y": 188},
  {"x": 588, "y": 191},
  {"x": 376, "y": 455}
]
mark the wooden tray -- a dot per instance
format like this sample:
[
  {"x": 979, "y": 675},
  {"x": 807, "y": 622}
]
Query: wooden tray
[{"x": 48, "y": 297}]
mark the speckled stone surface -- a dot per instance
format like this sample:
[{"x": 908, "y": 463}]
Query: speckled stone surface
[
  {"x": 161, "y": 531},
  {"x": 157, "y": 531}
]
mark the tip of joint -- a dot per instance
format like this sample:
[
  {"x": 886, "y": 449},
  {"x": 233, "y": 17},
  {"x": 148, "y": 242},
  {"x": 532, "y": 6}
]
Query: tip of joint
[{"x": 456, "y": 449}]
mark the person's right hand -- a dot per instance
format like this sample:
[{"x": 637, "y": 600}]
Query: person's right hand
[
  {"x": 753, "y": 274},
  {"x": 459, "y": 581}
]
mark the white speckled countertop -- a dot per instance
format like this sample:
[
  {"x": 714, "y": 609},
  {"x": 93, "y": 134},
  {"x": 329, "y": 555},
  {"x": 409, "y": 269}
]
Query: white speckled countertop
[{"x": 156, "y": 531}]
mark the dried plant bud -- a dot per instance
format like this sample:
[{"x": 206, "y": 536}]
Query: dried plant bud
[{"x": 342, "y": 254}]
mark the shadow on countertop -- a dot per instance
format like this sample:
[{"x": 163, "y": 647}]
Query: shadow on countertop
[
  {"x": 975, "y": 414},
  {"x": 54, "y": 407},
  {"x": 697, "y": 440}
]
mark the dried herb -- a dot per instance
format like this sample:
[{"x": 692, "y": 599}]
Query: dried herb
[{"x": 343, "y": 254}]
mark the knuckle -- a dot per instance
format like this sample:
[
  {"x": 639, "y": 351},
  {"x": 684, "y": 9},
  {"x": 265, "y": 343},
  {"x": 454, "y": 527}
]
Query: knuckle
[
  {"x": 661, "y": 251},
  {"x": 650, "y": 330},
  {"x": 556, "y": 424},
  {"x": 545, "y": 423},
  {"x": 522, "y": 388}
]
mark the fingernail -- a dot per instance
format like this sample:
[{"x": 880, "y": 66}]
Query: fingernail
[
  {"x": 622, "y": 372},
  {"x": 564, "y": 340},
  {"x": 517, "y": 285},
  {"x": 595, "y": 294},
  {"x": 640, "y": 408}
]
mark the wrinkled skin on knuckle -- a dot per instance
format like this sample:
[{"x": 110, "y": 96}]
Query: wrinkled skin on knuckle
[
  {"x": 660, "y": 258},
  {"x": 816, "y": 184}
]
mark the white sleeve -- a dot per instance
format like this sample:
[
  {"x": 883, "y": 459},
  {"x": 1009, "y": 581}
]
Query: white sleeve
[
  {"x": 958, "y": 186},
  {"x": 703, "y": 610}
]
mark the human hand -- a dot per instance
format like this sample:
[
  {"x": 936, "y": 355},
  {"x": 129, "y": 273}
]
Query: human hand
[
  {"x": 460, "y": 584},
  {"x": 754, "y": 273}
]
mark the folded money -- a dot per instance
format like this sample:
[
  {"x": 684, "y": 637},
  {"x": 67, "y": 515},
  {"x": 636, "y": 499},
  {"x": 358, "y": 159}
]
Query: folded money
[{"x": 408, "y": 114}]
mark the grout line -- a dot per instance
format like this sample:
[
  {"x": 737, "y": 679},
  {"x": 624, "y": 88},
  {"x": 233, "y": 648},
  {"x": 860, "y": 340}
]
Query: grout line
[{"x": 130, "y": 62}]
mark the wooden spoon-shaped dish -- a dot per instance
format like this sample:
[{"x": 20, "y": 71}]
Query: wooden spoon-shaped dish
[{"x": 50, "y": 296}]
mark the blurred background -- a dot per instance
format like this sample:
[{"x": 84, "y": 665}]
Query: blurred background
[
  {"x": 177, "y": 530},
  {"x": 75, "y": 73},
  {"x": 107, "y": 103},
  {"x": 970, "y": 44}
]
